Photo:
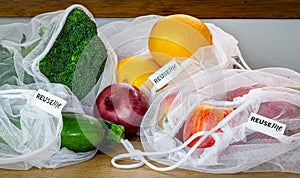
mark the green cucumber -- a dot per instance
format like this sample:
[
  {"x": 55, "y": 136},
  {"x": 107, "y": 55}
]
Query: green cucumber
[{"x": 81, "y": 133}]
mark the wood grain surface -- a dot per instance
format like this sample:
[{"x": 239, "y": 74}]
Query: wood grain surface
[
  {"x": 132, "y": 8},
  {"x": 100, "y": 166}
]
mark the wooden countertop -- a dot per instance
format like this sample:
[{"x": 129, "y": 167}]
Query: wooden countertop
[
  {"x": 282, "y": 9},
  {"x": 100, "y": 166}
]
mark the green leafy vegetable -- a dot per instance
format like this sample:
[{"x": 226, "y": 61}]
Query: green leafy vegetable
[
  {"x": 2, "y": 141},
  {"x": 7, "y": 68},
  {"x": 8, "y": 74},
  {"x": 16, "y": 123},
  {"x": 78, "y": 55},
  {"x": 4, "y": 53},
  {"x": 26, "y": 50}
]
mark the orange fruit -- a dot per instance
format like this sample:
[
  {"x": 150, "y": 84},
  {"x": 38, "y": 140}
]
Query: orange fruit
[
  {"x": 177, "y": 36},
  {"x": 136, "y": 69}
]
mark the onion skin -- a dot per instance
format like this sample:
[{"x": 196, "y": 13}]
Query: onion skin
[{"x": 123, "y": 104}]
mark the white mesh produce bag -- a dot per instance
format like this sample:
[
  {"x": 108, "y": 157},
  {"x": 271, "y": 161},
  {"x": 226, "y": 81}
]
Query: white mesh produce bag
[
  {"x": 244, "y": 144},
  {"x": 24, "y": 45},
  {"x": 31, "y": 135},
  {"x": 129, "y": 38},
  {"x": 21, "y": 122},
  {"x": 22, "y": 48}
]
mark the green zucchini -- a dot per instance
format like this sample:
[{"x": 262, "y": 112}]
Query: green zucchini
[{"x": 81, "y": 133}]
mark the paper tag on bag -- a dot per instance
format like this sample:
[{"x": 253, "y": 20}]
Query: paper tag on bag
[
  {"x": 48, "y": 102},
  {"x": 265, "y": 125},
  {"x": 165, "y": 74}
]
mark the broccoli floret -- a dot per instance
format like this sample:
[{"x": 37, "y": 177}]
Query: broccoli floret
[{"x": 77, "y": 56}]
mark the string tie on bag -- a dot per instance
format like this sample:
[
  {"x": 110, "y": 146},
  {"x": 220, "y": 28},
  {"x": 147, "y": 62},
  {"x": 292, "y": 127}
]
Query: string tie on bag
[{"x": 138, "y": 155}]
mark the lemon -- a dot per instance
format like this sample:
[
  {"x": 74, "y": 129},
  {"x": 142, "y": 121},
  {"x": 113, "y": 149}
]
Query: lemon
[
  {"x": 141, "y": 79},
  {"x": 136, "y": 69},
  {"x": 177, "y": 36}
]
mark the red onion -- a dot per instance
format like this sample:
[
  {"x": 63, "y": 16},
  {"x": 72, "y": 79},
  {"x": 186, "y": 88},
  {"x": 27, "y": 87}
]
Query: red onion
[{"x": 123, "y": 104}]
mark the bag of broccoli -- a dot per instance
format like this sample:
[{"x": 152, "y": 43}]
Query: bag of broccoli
[{"x": 57, "y": 47}]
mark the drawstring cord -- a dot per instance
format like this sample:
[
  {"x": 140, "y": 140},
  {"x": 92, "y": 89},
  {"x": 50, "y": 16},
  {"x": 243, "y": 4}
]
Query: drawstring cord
[{"x": 140, "y": 156}]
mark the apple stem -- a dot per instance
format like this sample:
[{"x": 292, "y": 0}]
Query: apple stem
[{"x": 108, "y": 102}]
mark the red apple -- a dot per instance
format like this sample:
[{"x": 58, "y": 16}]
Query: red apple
[
  {"x": 204, "y": 118},
  {"x": 164, "y": 108},
  {"x": 123, "y": 104}
]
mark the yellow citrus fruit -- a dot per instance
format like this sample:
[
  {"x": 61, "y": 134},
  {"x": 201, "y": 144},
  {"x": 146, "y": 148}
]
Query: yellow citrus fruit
[
  {"x": 136, "y": 69},
  {"x": 177, "y": 36},
  {"x": 141, "y": 79}
]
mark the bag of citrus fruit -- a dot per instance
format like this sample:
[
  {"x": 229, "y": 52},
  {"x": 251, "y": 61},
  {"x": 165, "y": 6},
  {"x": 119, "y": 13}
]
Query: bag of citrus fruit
[
  {"x": 149, "y": 43},
  {"x": 215, "y": 124}
]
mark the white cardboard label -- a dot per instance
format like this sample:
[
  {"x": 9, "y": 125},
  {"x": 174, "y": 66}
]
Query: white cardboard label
[
  {"x": 48, "y": 102},
  {"x": 265, "y": 125},
  {"x": 165, "y": 74}
]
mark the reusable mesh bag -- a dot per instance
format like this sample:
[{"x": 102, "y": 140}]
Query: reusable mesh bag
[
  {"x": 129, "y": 38},
  {"x": 21, "y": 122},
  {"x": 31, "y": 136},
  {"x": 240, "y": 146},
  {"x": 23, "y": 46}
]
